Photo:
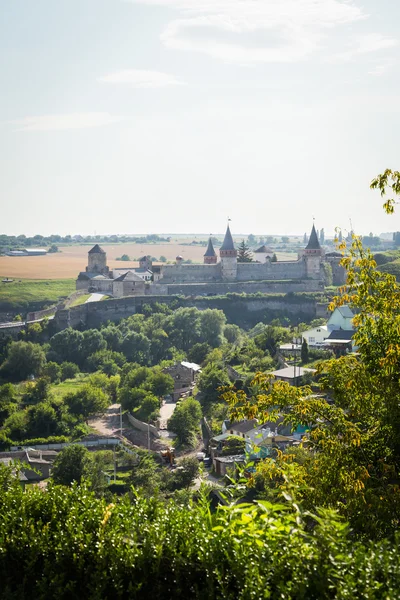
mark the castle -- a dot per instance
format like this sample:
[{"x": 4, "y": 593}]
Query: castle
[{"x": 307, "y": 273}]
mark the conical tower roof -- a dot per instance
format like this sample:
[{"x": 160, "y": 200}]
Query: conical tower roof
[
  {"x": 210, "y": 249},
  {"x": 96, "y": 250},
  {"x": 228, "y": 241},
  {"x": 313, "y": 243}
]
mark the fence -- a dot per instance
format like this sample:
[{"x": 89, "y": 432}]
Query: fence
[
  {"x": 87, "y": 444},
  {"x": 143, "y": 426}
]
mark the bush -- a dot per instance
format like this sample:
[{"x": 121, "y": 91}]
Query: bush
[
  {"x": 69, "y": 370},
  {"x": 68, "y": 544},
  {"x": 53, "y": 439}
]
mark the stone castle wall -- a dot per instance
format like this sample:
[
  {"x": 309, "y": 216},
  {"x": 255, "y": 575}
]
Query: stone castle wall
[
  {"x": 245, "y": 287},
  {"x": 190, "y": 273},
  {"x": 246, "y": 311},
  {"x": 270, "y": 270}
]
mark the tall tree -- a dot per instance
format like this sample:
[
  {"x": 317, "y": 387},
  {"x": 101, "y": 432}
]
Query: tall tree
[
  {"x": 322, "y": 236},
  {"x": 244, "y": 254},
  {"x": 304, "y": 351}
]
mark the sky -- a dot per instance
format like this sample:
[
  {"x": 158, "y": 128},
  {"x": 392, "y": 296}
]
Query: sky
[{"x": 169, "y": 116}]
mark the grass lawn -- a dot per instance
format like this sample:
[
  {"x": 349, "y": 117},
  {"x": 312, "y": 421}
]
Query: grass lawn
[
  {"x": 33, "y": 294},
  {"x": 81, "y": 300},
  {"x": 69, "y": 385}
]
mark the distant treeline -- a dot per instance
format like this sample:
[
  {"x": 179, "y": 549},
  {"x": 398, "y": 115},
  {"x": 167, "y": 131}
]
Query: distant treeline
[{"x": 11, "y": 242}]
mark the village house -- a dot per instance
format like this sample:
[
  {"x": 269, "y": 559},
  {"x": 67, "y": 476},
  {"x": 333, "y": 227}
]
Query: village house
[
  {"x": 338, "y": 330},
  {"x": 184, "y": 375},
  {"x": 292, "y": 375}
]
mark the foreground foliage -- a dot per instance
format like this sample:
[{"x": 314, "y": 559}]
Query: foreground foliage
[{"x": 65, "y": 543}]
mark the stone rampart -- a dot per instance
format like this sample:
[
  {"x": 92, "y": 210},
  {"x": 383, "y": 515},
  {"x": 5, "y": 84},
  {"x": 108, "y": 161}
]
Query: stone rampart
[
  {"x": 243, "y": 310},
  {"x": 264, "y": 287},
  {"x": 190, "y": 273}
]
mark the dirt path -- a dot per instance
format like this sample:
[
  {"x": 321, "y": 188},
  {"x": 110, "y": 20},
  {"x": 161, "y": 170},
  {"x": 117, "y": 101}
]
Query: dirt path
[{"x": 109, "y": 423}]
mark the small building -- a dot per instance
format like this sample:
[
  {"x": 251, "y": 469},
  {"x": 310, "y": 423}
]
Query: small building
[
  {"x": 340, "y": 320},
  {"x": 263, "y": 253},
  {"x": 128, "y": 284},
  {"x": 224, "y": 464},
  {"x": 315, "y": 337},
  {"x": 184, "y": 375},
  {"x": 292, "y": 375},
  {"x": 340, "y": 341},
  {"x": 239, "y": 428}
]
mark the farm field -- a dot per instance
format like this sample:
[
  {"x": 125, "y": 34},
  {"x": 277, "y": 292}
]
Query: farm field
[{"x": 73, "y": 259}]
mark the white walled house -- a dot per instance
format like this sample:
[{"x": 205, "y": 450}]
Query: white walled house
[
  {"x": 340, "y": 320},
  {"x": 316, "y": 336}
]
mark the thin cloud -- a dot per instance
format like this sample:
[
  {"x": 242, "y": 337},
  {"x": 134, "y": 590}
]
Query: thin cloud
[
  {"x": 64, "y": 122},
  {"x": 139, "y": 78},
  {"x": 366, "y": 44},
  {"x": 287, "y": 30}
]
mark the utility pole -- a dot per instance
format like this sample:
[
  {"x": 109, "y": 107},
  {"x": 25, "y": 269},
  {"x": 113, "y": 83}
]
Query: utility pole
[
  {"x": 148, "y": 436},
  {"x": 120, "y": 418}
]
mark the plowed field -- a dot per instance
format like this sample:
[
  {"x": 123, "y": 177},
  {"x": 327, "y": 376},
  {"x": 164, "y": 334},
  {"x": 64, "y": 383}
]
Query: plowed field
[{"x": 73, "y": 259}]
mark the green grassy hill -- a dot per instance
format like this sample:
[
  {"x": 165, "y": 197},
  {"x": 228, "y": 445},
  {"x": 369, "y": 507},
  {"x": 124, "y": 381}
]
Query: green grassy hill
[{"x": 24, "y": 295}]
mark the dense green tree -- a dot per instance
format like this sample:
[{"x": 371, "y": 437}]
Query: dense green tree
[
  {"x": 68, "y": 370},
  {"x": 23, "y": 359},
  {"x": 92, "y": 342},
  {"x": 67, "y": 345},
  {"x": 106, "y": 361},
  {"x": 136, "y": 347},
  {"x": 42, "y": 421},
  {"x": 272, "y": 337},
  {"x": 304, "y": 351},
  {"x": 232, "y": 333},
  {"x": 8, "y": 401},
  {"x": 16, "y": 425},
  {"x": 184, "y": 327},
  {"x": 185, "y": 420},
  {"x": 53, "y": 371},
  {"x": 244, "y": 255},
  {"x": 274, "y": 258},
  {"x": 36, "y": 391},
  {"x": 186, "y": 473},
  {"x": 88, "y": 401},
  {"x": 198, "y": 352},
  {"x": 149, "y": 408},
  {"x": 212, "y": 324},
  {"x": 72, "y": 464},
  {"x": 113, "y": 337},
  {"x": 209, "y": 382}
]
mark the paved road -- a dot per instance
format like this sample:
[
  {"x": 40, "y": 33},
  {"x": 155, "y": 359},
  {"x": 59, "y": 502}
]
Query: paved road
[
  {"x": 109, "y": 423},
  {"x": 94, "y": 298},
  {"x": 20, "y": 323}
]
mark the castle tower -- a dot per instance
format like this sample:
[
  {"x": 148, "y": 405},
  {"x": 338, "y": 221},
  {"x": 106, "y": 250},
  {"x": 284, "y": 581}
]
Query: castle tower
[
  {"x": 210, "y": 257},
  {"x": 228, "y": 256},
  {"x": 97, "y": 261},
  {"x": 313, "y": 256},
  {"x": 145, "y": 263}
]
